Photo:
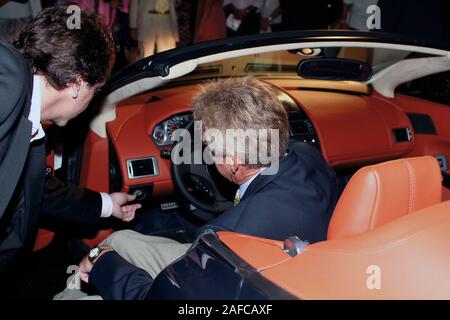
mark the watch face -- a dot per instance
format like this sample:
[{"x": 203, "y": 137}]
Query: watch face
[{"x": 94, "y": 252}]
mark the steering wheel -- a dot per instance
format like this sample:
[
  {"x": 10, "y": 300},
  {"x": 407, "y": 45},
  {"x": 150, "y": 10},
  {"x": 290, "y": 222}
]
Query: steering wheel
[{"x": 200, "y": 184}]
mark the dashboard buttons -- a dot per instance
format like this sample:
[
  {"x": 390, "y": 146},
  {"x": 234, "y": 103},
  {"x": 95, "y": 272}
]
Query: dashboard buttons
[{"x": 166, "y": 154}]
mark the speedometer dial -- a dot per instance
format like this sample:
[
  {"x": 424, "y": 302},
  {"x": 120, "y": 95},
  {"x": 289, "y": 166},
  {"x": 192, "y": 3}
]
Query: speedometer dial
[
  {"x": 175, "y": 123},
  {"x": 162, "y": 133}
]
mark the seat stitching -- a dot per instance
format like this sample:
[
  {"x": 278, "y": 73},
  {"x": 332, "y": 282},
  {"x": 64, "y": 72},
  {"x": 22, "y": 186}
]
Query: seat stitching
[
  {"x": 412, "y": 186},
  {"x": 375, "y": 202}
]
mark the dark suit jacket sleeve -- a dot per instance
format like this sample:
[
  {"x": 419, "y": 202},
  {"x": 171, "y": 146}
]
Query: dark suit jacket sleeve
[
  {"x": 117, "y": 279},
  {"x": 69, "y": 202},
  {"x": 273, "y": 214}
]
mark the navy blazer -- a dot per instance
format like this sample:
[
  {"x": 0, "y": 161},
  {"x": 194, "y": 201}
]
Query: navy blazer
[{"x": 297, "y": 201}]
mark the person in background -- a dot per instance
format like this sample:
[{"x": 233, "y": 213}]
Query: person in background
[
  {"x": 271, "y": 16},
  {"x": 210, "y": 23},
  {"x": 107, "y": 9},
  {"x": 354, "y": 15},
  {"x": 186, "y": 14},
  {"x": 243, "y": 16},
  {"x": 154, "y": 25},
  {"x": 14, "y": 15},
  {"x": 127, "y": 47}
]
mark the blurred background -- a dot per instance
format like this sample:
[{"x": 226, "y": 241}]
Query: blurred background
[{"x": 144, "y": 27}]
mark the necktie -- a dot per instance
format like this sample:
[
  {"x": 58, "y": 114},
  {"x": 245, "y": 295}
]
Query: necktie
[
  {"x": 237, "y": 198},
  {"x": 34, "y": 134}
]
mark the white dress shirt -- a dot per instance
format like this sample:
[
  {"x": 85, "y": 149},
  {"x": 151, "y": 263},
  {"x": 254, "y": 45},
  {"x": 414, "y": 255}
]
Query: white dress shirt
[
  {"x": 38, "y": 133},
  {"x": 243, "y": 187}
]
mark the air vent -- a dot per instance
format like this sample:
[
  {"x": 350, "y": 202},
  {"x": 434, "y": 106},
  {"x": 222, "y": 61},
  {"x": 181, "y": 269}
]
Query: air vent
[
  {"x": 422, "y": 123},
  {"x": 143, "y": 167},
  {"x": 301, "y": 129},
  {"x": 211, "y": 69},
  {"x": 402, "y": 135}
]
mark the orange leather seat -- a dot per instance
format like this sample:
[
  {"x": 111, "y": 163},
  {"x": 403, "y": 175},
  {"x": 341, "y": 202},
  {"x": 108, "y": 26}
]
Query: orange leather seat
[
  {"x": 406, "y": 259},
  {"x": 384, "y": 192},
  {"x": 402, "y": 259}
]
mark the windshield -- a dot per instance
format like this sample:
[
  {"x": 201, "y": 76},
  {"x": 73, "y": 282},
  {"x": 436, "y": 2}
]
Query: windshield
[{"x": 284, "y": 63}]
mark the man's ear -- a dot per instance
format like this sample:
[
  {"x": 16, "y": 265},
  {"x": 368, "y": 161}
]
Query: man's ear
[
  {"x": 235, "y": 164},
  {"x": 74, "y": 88}
]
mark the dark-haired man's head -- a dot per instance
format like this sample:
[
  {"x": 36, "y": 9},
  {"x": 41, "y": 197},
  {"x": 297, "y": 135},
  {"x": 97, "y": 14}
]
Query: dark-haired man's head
[{"x": 71, "y": 62}]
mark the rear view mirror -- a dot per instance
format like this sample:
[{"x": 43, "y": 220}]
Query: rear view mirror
[{"x": 335, "y": 69}]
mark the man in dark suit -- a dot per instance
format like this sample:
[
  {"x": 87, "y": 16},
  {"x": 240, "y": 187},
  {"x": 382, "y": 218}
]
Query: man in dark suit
[
  {"x": 295, "y": 200},
  {"x": 50, "y": 75}
]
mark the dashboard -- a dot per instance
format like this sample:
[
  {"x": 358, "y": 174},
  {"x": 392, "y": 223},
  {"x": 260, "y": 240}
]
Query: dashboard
[
  {"x": 300, "y": 126},
  {"x": 350, "y": 129}
]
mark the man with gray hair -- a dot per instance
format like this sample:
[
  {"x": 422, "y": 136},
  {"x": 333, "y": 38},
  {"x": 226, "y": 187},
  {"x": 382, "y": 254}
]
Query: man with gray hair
[
  {"x": 245, "y": 125},
  {"x": 295, "y": 200}
]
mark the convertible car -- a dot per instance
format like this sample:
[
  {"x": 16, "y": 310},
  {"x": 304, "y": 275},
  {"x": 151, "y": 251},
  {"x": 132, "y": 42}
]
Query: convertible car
[{"x": 375, "y": 105}]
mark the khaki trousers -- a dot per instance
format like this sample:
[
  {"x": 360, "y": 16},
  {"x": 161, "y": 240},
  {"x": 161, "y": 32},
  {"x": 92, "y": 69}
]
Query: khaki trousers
[
  {"x": 153, "y": 254},
  {"x": 150, "y": 253}
]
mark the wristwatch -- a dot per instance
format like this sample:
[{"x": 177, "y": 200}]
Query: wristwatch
[{"x": 97, "y": 251}]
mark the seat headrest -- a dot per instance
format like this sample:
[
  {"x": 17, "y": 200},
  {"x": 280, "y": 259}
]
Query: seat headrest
[{"x": 384, "y": 192}]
